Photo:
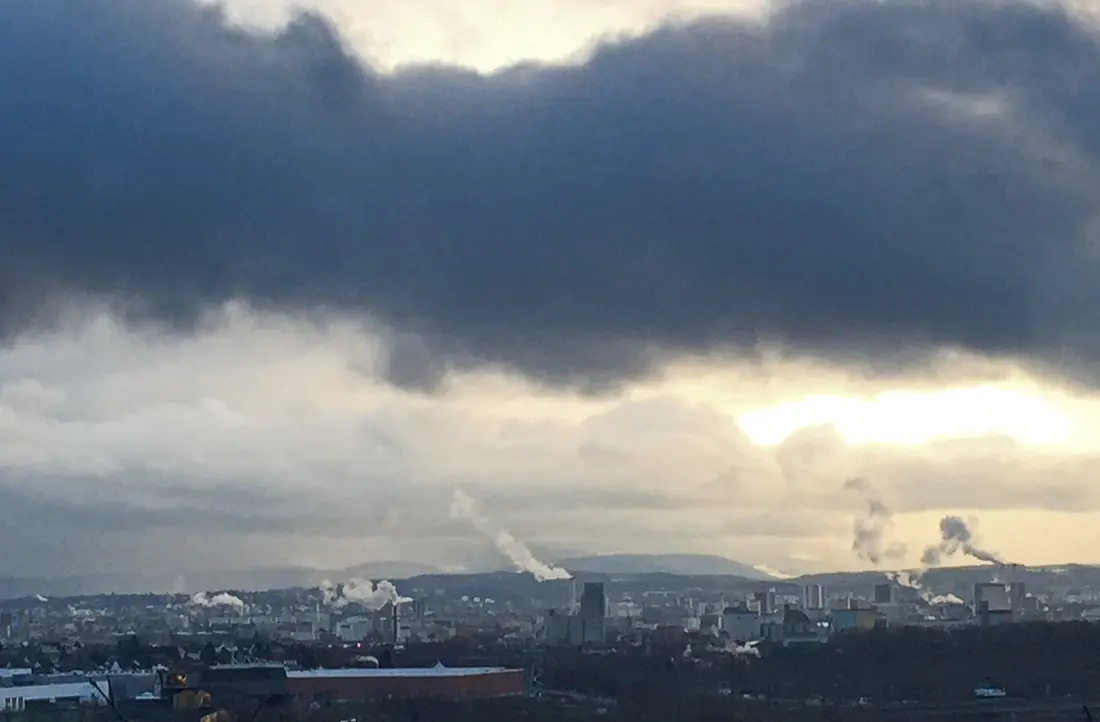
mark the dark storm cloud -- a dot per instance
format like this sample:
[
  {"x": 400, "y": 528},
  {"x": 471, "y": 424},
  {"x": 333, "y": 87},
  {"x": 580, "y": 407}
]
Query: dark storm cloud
[{"x": 859, "y": 180}]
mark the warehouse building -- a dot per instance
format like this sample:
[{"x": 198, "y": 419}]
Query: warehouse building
[
  {"x": 18, "y": 698},
  {"x": 436, "y": 682}
]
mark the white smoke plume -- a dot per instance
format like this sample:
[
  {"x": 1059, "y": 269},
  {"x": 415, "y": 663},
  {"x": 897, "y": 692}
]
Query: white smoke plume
[
  {"x": 910, "y": 580},
  {"x": 361, "y": 591},
  {"x": 955, "y": 537},
  {"x": 870, "y": 530},
  {"x": 905, "y": 579},
  {"x": 329, "y": 592},
  {"x": 202, "y": 599},
  {"x": 463, "y": 508}
]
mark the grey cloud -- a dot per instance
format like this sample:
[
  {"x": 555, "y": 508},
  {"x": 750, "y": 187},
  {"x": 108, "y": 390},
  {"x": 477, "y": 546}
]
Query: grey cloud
[
  {"x": 856, "y": 484},
  {"x": 594, "y": 452},
  {"x": 979, "y": 473},
  {"x": 925, "y": 483},
  {"x": 861, "y": 181},
  {"x": 559, "y": 499},
  {"x": 410, "y": 364},
  {"x": 992, "y": 472},
  {"x": 119, "y": 507},
  {"x": 500, "y": 499},
  {"x": 810, "y": 455},
  {"x": 48, "y": 535},
  {"x": 790, "y": 524}
]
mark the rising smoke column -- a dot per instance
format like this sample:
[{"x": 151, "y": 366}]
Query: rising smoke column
[
  {"x": 869, "y": 530},
  {"x": 330, "y": 593},
  {"x": 911, "y": 580},
  {"x": 463, "y": 508},
  {"x": 955, "y": 537},
  {"x": 905, "y": 579},
  {"x": 371, "y": 595}
]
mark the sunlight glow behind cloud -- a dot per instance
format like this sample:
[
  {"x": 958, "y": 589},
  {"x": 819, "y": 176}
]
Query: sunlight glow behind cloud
[
  {"x": 905, "y": 417},
  {"x": 485, "y": 35},
  {"x": 259, "y": 403}
]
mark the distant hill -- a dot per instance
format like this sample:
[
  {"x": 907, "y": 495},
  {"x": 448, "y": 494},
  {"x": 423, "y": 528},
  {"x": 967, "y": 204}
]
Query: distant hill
[
  {"x": 684, "y": 564},
  {"x": 503, "y": 585},
  {"x": 205, "y": 580},
  {"x": 385, "y": 570}
]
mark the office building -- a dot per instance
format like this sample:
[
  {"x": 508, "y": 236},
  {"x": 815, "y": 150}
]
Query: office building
[{"x": 593, "y": 611}]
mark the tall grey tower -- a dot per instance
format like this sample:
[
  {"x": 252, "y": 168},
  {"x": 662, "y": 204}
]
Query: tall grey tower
[{"x": 593, "y": 606}]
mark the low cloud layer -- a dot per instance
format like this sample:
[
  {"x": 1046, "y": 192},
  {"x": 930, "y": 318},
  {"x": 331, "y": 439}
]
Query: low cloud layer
[
  {"x": 859, "y": 181},
  {"x": 265, "y": 440}
]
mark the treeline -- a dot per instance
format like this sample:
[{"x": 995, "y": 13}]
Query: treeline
[{"x": 1032, "y": 660}]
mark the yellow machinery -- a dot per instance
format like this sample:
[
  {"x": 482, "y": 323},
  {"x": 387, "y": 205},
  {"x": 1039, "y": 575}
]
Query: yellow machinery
[
  {"x": 191, "y": 699},
  {"x": 220, "y": 715}
]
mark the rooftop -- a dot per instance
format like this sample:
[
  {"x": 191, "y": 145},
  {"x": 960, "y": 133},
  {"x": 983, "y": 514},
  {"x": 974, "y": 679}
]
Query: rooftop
[{"x": 436, "y": 671}]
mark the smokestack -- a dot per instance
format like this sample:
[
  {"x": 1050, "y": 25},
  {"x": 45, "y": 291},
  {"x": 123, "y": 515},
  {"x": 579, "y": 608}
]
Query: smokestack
[{"x": 395, "y": 627}]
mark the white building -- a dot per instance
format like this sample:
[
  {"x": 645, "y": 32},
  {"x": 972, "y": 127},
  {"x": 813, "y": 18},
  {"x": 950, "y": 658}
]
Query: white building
[{"x": 15, "y": 699}]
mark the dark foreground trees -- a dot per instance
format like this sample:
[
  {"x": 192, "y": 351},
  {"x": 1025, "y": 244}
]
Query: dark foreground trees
[{"x": 1031, "y": 660}]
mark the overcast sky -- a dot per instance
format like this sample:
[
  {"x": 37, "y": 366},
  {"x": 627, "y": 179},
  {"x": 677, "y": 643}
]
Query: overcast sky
[{"x": 636, "y": 275}]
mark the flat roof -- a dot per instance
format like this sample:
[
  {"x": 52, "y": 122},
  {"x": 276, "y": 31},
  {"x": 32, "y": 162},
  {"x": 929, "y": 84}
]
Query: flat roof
[{"x": 398, "y": 672}]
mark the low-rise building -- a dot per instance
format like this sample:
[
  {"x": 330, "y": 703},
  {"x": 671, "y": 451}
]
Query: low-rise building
[
  {"x": 437, "y": 681},
  {"x": 18, "y": 697},
  {"x": 854, "y": 620}
]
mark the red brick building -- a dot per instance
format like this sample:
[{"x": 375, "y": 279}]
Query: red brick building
[{"x": 437, "y": 682}]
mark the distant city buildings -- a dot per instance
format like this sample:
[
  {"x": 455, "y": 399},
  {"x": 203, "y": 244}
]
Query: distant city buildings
[
  {"x": 588, "y": 626},
  {"x": 813, "y": 596}
]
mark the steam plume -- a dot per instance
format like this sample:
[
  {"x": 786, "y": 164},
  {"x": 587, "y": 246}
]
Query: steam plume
[
  {"x": 905, "y": 579},
  {"x": 911, "y": 580},
  {"x": 955, "y": 537},
  {"x": 361, "y": 591},
  {"x": 225, "y": 599},
  {"x": 463, "y": 508},
  {"x": 869, "y": 531},
  {"x": 329, "y": 592},
  {"x": 749, "y": 649}
]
